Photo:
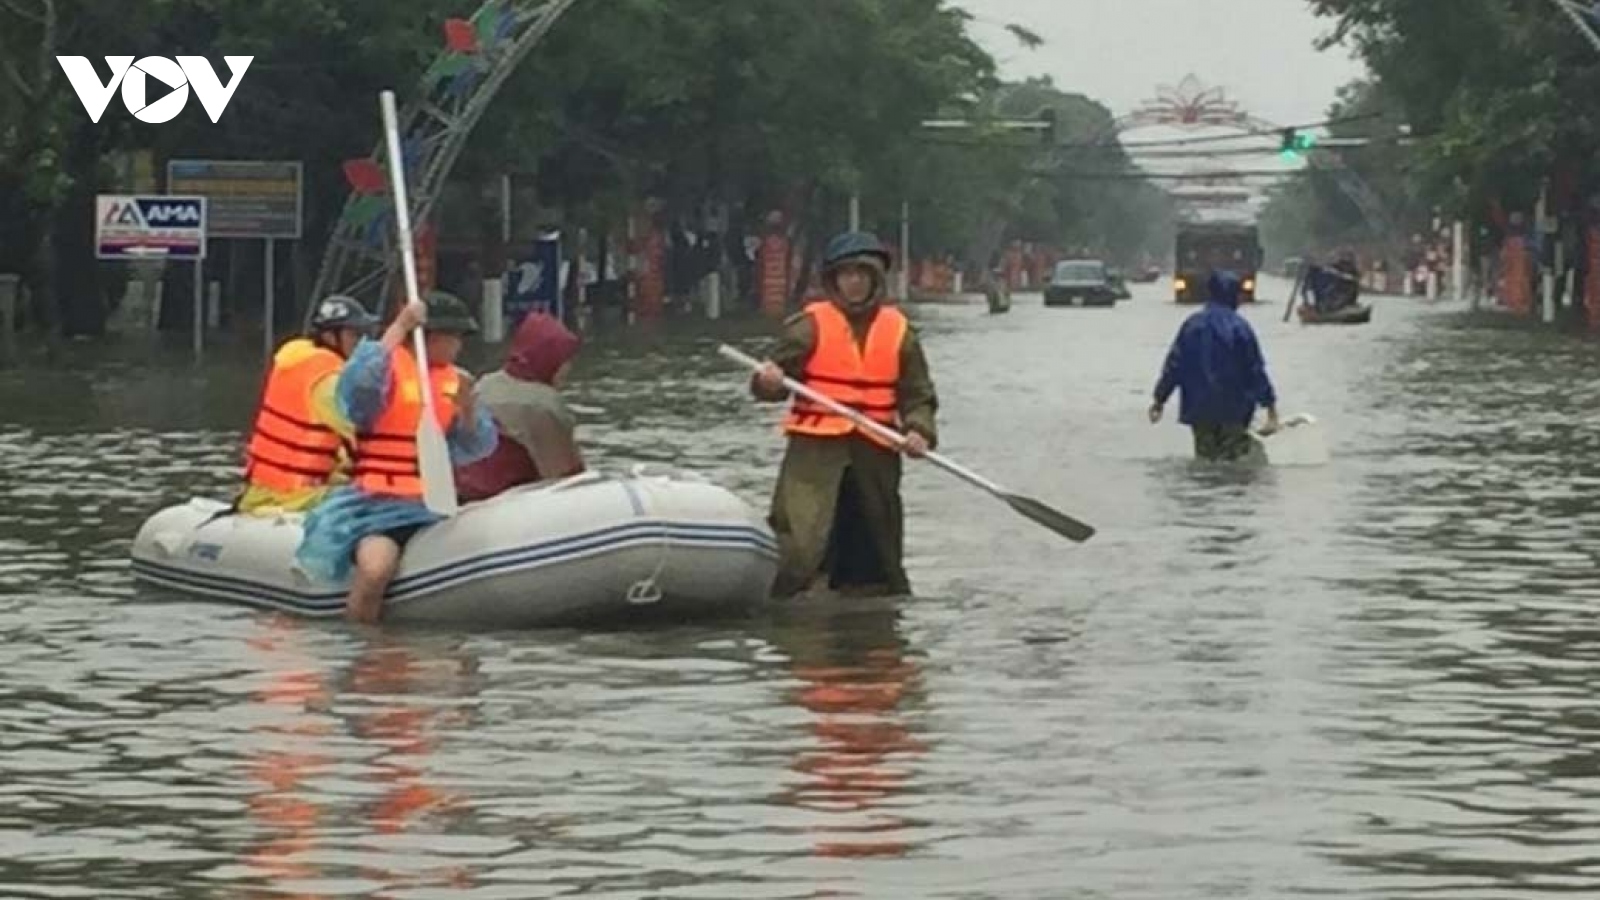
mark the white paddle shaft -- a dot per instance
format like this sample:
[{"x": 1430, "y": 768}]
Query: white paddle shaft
[
  {"x": 438, "y": 478},
  {"x": 866, "y": 424}
]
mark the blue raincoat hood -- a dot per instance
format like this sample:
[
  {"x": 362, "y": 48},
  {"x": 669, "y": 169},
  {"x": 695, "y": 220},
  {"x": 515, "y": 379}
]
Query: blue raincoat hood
[{"x": 1223, "y": 288}]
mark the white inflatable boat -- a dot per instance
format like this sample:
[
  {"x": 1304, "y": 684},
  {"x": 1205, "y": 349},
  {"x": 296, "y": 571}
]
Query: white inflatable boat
[{"x": 592, "y": 548}]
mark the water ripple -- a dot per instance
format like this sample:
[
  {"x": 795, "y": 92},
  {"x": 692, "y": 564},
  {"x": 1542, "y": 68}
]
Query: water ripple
[{"x": 1371, "y": 679}]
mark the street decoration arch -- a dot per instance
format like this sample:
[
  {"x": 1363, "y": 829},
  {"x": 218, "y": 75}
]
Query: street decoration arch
[
  {"x": 479, "y": 54},
  {"x": 1191, "y": 104}
]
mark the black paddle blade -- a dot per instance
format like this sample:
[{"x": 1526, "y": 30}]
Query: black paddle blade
[{"x": 1055, "y": 520}]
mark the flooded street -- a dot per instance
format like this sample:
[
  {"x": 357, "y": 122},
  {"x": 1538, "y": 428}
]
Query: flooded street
[{"x": 1368, "y": 679}]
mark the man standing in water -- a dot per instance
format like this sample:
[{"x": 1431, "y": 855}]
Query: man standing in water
[
  {"x": 1217, "y": 363},
  {"x": 837, "y": 510}
]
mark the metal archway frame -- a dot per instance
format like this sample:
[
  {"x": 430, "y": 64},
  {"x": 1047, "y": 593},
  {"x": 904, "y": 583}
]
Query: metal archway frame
[
  {"x": 360, "y": 258},
  {"x": 1191, "y": 104}
]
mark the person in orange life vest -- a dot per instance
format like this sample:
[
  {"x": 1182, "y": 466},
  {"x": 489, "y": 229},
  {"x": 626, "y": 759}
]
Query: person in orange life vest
[
  {"x": 536, "y": 426},
  {"x": 358, "y": 532},
  {"x": 837, "y": 510},
  {"x": 298, "y": 444}
]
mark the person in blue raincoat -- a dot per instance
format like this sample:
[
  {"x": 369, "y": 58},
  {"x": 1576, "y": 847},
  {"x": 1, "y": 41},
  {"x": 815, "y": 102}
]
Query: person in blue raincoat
[
  {"x": 1217, "y": 363},
  {"x": 360, "y": 530}
]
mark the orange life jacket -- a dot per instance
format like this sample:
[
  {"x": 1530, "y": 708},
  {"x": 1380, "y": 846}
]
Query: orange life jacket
[
  {"x": 288, "y": 449},
  {"x": 386, "y": 457},
  {"x": 864, "y": 378}
]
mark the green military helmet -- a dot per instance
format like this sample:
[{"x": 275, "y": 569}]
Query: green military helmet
[
  {"x": 852, "y": 246},
  {"x": 449, "y": 313}
]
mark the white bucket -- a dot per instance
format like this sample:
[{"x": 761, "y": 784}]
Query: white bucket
[{"x": 1298, "y": 442}]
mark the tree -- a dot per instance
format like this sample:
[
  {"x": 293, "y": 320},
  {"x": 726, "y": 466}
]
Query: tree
[
  {"x": 1313, "y": 210},
  {"x": 708, "y": 106},
  {"x": 50, "y": 153},
  {"x": 311, "y": 92},
  {"x": 1084, "y": 191},
  {"x": 1499, "y": 92}
]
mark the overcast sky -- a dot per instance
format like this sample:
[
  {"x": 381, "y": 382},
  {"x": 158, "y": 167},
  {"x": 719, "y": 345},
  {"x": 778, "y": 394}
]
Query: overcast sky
[{"x": 1118, "y": 51}]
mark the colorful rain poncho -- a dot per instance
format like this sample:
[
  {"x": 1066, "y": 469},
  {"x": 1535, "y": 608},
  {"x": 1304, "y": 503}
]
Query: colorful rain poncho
[{"x": 337, "y": 525}]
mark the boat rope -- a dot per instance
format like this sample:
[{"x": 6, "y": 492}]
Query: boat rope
[{"x": 647, "y": 590}]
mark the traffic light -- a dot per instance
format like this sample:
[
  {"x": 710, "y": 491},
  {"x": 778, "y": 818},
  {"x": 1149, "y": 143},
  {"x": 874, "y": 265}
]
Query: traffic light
[{"x": 1294, "y": 144}]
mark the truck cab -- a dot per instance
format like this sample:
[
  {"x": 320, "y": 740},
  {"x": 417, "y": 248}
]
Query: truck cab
[{"x": 1205, "y": 247}]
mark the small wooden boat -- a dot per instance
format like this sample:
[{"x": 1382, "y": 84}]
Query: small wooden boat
[{"x": 1359, "y": 314}]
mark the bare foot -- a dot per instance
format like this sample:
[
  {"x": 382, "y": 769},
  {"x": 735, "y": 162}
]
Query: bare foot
[{"x": 364, "y": 611}]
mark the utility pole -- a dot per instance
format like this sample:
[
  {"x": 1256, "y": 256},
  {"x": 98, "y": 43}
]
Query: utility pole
[
  {"x": 1548, "y": 280},
  {"x": 905, "y": 250}
]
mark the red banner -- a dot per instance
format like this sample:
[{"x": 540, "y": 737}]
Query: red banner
[
  {"x": 1516, "y": 288},
  {"x": 1591, "y": 278},
  {"x": 427, "y": 239},
  {"x": 1011, "y": 266},
  {"x": 427, "y": 244},
  {"x": 650, "y": 277},
  {"x": 772, "y": 274}
]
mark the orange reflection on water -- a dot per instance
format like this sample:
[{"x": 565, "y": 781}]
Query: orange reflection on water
[
  {"x": 408, "y": 734},
  {"x": 385, "y": 675},
  {"x": 861, "y": 765},
  {"x": 283, "y": 764}
]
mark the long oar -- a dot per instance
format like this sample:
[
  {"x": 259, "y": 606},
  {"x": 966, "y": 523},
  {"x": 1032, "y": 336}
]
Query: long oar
[
  {"x": 433, "y": 454},
  {"x": 1055, "y": 520},
  {"x": 1294, "y": 291}
]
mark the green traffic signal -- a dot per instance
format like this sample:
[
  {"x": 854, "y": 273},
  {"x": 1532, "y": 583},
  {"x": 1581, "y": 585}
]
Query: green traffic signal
[{"x": 1294, "y": 143}]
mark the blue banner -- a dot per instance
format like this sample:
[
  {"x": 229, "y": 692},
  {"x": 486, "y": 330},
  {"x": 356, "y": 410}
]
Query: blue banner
[{"x": 534, "y": 285}]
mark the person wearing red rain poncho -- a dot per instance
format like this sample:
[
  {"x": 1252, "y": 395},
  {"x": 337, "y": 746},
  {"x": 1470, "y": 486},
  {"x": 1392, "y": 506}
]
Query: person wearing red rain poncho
[{"x": 536, "y": 428}]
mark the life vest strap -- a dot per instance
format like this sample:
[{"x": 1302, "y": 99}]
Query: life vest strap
[
  {"x": 871, "y": 410},
  {"x": 320, "y": 449},
  {"x": 258, "y": 463},
  {"x": 267, "y": 409},
  {"x": 812, "y": 376}
]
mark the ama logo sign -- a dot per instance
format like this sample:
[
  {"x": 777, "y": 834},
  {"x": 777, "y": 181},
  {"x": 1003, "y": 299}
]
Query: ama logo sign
[
  {"x": 152, "y": 213},
  {"x": 135, "y": 78},
  {"x": 133, "y": 227}
]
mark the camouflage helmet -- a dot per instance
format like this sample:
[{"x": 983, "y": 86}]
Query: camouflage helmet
[
  {"x": 339, "y": 311},
  {"x": 449, "y": 313}
]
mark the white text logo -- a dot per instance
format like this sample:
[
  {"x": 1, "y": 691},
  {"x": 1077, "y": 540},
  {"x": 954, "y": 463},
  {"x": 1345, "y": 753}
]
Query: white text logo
[{"x": 132, "y": 77}]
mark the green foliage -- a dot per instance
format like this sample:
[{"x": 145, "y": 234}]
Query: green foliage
[
  {"x": 1314, "y": 210},
  {"x": 1039, "y": 193},
  {"x": 1499, "y": 92},
  {"x": 748, "y": 105}
]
